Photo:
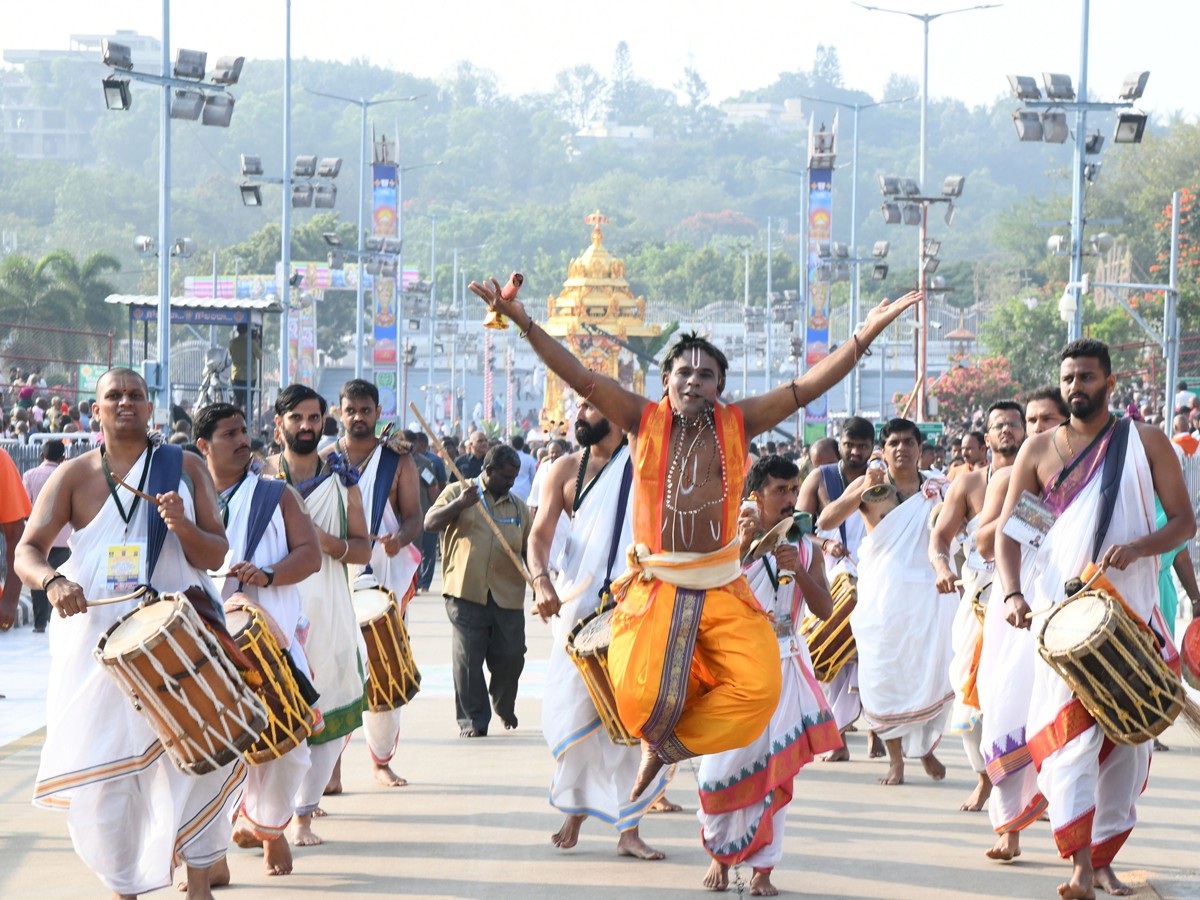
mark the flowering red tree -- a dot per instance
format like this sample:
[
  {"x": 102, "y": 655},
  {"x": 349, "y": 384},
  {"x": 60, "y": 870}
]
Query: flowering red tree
[{"x": 971, "y": 384}]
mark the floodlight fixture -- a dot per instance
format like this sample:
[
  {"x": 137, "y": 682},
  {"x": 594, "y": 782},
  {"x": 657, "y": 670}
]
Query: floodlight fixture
[
  {"x": 332, "y": 238},
  {"x": 325, "y": 196},
  {"x": 1024, "y": 87},
  {"x": 190, "y": 64},
  {"x": 932, "y": 247},
  {"x": 841, "y": 272},
  {"x": 337, "y": 259},
  {"x": 183, "y": 248},
  {"x": 392, "y": 245},
  {"x": 1102, "y": 242},
  {"x": 1091, "y": 171},
  {"x": 251, "y": 165},
  {"x": 949, "y": 217},
  {"x": 387, "y": 268},
  {"x": 1130, "y": 128},
  {"x": 302, "y": 195},
  {"x": 1028, "y": 125},
  {"x": 953, "y": 185},
  {"x": 374, "y": 244},
  {"x": 119, "y": 56},
  {"x": 296, "y": 280},
  {"x": 889, "y": 185},
  {"x": 329, "y": 167},
  {"x": 116, "y": 93},
  {"x": 218, "y": 110},
  {"x": 1134, "y": 85},
  {"x": 1056, "y": 243},
  {"x": 930, "y": 265},
  {"x": 879, "y": 271},
  {"x": 1055, "y": 129},
  {"x": 910, "y": 187},
  {"x": 912, "y": 213},
  {"x": 228, "y": 70},
  {"x": 891, "y": 213},
  {"x": 1058, "y": 86},
  {"x": 821, "y": 274},
  {"x": 187, "y": 105},
  {"x": 823, "y": 249},
  {"x": 839, "y": 250},
  {"x": 373, "y": 265},
  {"x": 1093, "y": 144},
  {"x": 881, "y": 248},
  {"x": 145, "y": 245},
  {"x": 251, "y": 194},
  {"x": 304, "y": 167}
]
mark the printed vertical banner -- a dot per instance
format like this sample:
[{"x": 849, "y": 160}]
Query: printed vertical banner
[
  {"x": 302, "y": 321},
  {"x": 385, "y": 305},
  {"x": 385, "y": 381},
  {"x": 816, "y": 304}
]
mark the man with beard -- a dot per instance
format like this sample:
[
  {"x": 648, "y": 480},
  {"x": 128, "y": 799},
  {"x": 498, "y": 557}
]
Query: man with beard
[
  {"x": 840, "y": 548},
  {"x": 272, "y": 548},
  {"x": 1006, "y": 667},
  {"x": 131, "y": 813},
  {"x": 593, "y": 776},
  {"x": 330, "y": 492},
  {"x": 902, "y": 621},
  {"x": 973, "y": 449},
  {"x": 388, "y": 485},
  {"x": 960, "y": 516},
  {"x": 1091, "y": 783},
  {"x": 693, "y": 657},
  {"x": 485, "y": 592},
  {"x": 745, "y": 793}
]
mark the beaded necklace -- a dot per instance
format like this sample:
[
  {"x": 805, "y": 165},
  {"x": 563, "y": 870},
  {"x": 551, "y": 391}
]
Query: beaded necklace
[{"x": 682, "y": 521}]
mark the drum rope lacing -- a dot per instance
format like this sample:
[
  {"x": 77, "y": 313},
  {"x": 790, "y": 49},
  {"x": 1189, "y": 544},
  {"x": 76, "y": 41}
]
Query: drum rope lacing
[{"x": 285, "y": 687}]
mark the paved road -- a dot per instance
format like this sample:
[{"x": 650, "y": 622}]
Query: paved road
[{"x": 475, "y": 822}]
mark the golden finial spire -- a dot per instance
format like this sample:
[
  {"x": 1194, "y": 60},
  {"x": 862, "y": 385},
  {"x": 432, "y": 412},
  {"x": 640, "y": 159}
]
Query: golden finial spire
[{"x": 596, "y": 219}]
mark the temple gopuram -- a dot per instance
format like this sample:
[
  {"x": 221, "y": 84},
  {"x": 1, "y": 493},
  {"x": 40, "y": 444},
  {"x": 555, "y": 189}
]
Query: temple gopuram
[{"x": 594, "y": 311}]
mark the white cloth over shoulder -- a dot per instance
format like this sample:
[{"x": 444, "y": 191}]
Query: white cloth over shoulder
[{"x": 396, "y": 573}]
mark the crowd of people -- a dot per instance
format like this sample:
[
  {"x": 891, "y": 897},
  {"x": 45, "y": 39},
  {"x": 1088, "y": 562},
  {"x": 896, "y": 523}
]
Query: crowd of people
[{"x": 707, "y": 557}]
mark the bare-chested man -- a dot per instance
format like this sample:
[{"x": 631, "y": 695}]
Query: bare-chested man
[
  {"x": 685, "y": 598},
  {"x": 960, "y": 516},
  {"x": 840, "y": 548},
  {"x": 593, "y": 487},
  {"x": 127, "y": 803},
  {"x": 901, "y": 622},
  {"x": 1091, "y": 783}
]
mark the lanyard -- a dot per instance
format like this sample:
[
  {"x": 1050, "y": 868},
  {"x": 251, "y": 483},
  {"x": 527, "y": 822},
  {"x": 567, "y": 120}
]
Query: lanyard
[
  {"x": 483, "y": 499},
  {"x": 112, "y": 487},
  {"x": 226, "y": 496}
]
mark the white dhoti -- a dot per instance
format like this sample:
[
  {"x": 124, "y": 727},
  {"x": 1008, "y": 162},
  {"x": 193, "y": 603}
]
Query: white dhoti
[
  {"x": 132, "y": 814},
  {"x": 842, "y": 692},
  {"x": 902, "y": 628},
  {"x": 966, "y": 634}
]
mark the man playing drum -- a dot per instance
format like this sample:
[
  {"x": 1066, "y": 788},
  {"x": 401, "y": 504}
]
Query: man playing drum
[
  {"x": 1006, "y": 668},
  {"x": 285, "y": 552},
  {"x": 901, "y": 622},
  {"x": 387, "y": 482},
  {"x": 1091, "y": 783},
  {"x": 130, "y": 810},
  {"x": 594, "y": 775},
  {"x": 744, "y": 793},
  {"x": 840, "y": 547},
  {"x": 960, "y": 515},
  {"x": 692, "y": 654},
  {"x": 331, "y": 496}
]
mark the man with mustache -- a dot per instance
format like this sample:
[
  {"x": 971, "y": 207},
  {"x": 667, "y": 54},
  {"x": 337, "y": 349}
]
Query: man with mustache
[
  {"x": 1091, "y": 784},
  {"x": 330, "y": 491},
  {"x": 272, "y": 548},
  {"x": 840, "y": 548},
  {"x": 593, "y": 775},
  {"x": 902, "y": 621},
  {"x": 960, "y": 516},
  {"x": 1006, "y": 667}
]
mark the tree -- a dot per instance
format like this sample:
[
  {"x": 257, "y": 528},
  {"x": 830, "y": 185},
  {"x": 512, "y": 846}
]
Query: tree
[
  {"x": 621, "y": 85},
  {"x": 1028, "y": 338},
  {"x": 30, "y": 296},
  {"x": 580, "y": 95},
  {"x": 87, "y": 283},
  {"x": 826, "y": 69},
  {"x": 971, "y": 384}
]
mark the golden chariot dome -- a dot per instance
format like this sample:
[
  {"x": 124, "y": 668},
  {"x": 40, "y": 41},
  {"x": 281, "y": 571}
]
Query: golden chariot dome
[{"x": 595, "y": 315}]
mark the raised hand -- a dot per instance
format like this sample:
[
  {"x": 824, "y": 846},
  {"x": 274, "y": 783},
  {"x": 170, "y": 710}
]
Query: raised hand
[
  {"x": 495, "y": 297},
  {"x": 888, "y": 311}
]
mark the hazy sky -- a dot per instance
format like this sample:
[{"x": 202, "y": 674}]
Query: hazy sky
[{"x": 734, "y": 46}]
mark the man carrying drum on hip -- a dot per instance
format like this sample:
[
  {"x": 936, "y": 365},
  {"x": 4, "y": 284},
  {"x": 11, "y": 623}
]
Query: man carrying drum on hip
[
  {"x": 101, "y": 761},
  {"x": 1091, "y": 784}
]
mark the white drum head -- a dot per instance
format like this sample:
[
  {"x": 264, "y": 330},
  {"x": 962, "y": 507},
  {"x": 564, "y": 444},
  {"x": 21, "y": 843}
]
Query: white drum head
[
  {"x": 1075, "y": 623},
  {"x": 138, "y": 627},
  {"x": 370, "y": 604},
  {"x": 237, "y": 620}
]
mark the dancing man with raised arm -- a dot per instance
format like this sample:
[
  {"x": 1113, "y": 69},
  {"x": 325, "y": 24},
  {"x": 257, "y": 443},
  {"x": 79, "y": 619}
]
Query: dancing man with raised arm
[{"x": 694, "y": 659}]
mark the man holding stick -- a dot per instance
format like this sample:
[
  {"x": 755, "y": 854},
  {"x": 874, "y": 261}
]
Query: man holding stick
[{"x": 686, "y": 596}]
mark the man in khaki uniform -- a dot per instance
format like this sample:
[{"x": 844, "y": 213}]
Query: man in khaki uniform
[{"x": 485, "y": 593}]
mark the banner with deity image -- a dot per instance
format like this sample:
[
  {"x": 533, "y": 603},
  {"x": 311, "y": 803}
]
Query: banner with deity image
[
  {"x": 385, "y": 306},
  {"x": 816, "y": 304}
]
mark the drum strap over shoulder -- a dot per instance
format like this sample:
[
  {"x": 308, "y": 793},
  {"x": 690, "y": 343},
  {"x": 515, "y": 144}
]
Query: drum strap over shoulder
[
  {"x": 385, "y": 473},
  {"x": 618, "y": 525},
  {"x": 166, "y": 467},
  {"x": 267, "y": 495},
  {"x": 1110, "y": 482},
  {"x": 833, "y": 487}
]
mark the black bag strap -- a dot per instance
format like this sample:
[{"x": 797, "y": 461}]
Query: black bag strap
[
  {"x": 1110, "y": 481},
  {"x": 385, "y": 474},
  {"x": 166, "y": 468},
  {"x": 267, "y": 495},
  {"x": 832, "y": 474},
  {"x": 618, "y": 525}
]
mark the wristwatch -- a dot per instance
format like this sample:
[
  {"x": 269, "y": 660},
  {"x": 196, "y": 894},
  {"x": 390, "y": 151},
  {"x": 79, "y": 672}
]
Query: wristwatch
[{"x": 270, "y": 573}]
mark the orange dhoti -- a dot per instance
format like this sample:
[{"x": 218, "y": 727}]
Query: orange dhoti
[{"x": 695, "y": 669}]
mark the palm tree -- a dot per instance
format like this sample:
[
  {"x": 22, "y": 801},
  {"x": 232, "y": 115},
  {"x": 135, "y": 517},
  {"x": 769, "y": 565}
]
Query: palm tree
[
  {"x": 87, "y": 282},
  {"x": 29, "y": 296}
]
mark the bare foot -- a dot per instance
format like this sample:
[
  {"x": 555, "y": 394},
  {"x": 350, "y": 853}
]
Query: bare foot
[
  {"x": 760, "y": 884},
  {"x": 841, "y": 754},
  {"x": 335, "y": 780},
  {"x": 304, "y": 836},
  {"x": 663, "y": 805},
  {"x": 1007, "y": 847},
  {"x": 895, "y": 774},
  {"x": 631, "y": 844},
  {"x": 717, "y": 877},
  {"x": 933, "y": 767},
  {"x": 979, "y": 796},
  {"x": 199, "y": 883},
  {"x": 245, "y": 838},
  {"x": 1070, "y": 890},
  {"x": 876, "y": 750},
  {"x": 1107, "y": 881},
  {"x": 1081, "y": 886},
  {"x": 385, "y": 776},
  {"x": 651, "y": 765},
  {"x": 568, "y": 835},
  {"x": 319, "y": 813},
  {"x": 277, "y": 856}
]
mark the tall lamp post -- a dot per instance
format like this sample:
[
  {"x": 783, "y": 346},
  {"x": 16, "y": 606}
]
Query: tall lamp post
[
  {"x": 363, "y": 162},
  {"x": 925, "y": 19}
]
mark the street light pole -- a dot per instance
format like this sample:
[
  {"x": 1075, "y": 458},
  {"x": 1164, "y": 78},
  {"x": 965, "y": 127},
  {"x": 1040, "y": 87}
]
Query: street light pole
[
  {"x": 164, "y": 224},
  {"x": 285, "y": 240},
  {"x": 767, "y": 373},
  {"x": 432, "y": 315},
  {"x": 1075, "y": 327}
]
